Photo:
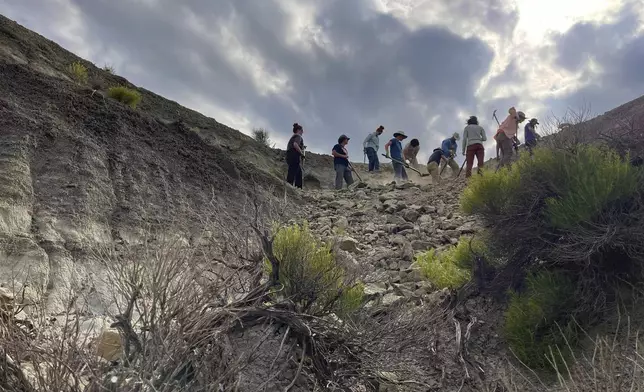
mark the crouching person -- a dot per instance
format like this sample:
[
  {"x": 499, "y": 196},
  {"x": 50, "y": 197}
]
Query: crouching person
[
  {"x": 433, "y": 165},
  {"x": 341, "y": 162}
]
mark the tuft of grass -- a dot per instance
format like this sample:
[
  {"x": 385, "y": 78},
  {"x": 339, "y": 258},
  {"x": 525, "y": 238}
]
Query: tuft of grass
[
  {"x": 451, "y": 268},
  {"x": 539, "y": 325},
  {"x": 108, "y": 68},
  {"x": 78, "y": 72},
  {"x": 262, "y": 136},
  {"x": 312, "y": 277},
  {"x": 125, "y": 95}
]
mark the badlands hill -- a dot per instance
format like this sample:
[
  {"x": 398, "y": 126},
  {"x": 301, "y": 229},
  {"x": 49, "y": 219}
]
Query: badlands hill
[{"x": 91, "y": 190}]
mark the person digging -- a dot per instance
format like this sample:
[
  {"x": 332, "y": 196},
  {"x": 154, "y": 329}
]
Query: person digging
[
  {"x": 506, "y": 134},
  {"x": 341, "y": 162},
  {"x": 433, "y": 164},
  {"x": 410, "y": 153},
  {"x": 395, "y": 145},
  {"x": 449, "y": 147}
]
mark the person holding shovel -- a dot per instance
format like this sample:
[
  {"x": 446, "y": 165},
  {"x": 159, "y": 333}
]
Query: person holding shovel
[
  {"x": 341, "y": 162},
  {"x": 396, "y": 155},
  {"x": 411, "y": 151},
  {"x": 433, "y": 164},
  {"x": 506, "y": 134},
  {"x": 449, "y": 147}
]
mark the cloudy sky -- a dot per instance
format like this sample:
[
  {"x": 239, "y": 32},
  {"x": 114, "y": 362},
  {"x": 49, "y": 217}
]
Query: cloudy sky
[{"x": 346, "y": 66}]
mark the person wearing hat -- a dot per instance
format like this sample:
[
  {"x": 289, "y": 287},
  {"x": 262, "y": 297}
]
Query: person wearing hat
[
  {"x": 506, "y": 133},
  {"x": 396, "y": 155},
  {"x": 448, "y": 147},
  {"x": 473, "y": 138},
  {"x": 341, "y": 162},
  {"x": 531, "y": 135}
]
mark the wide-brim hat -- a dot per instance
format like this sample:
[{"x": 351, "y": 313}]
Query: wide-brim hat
[
  {"x": 400, "y": 133},
  {"x": 534, "y": 121},
  {"x": 456, "y": 136}
]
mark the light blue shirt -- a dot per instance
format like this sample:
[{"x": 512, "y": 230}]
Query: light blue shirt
[{"x": 372, "y": 141}]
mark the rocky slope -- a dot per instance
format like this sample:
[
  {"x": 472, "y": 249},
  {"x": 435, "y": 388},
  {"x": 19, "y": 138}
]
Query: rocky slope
[{"x": 78, "y": 170}]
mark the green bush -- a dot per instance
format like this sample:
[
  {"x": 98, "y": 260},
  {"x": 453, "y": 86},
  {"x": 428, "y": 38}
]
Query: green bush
[
  {"x": 451, "y": 268},
  {"x": 310, "y": 274},
  {"x": 78, "y": 72},
  {"x": 125, "y": 95},
  {"x": 538, "y": 322},
  {"x": 541, "y": 199},
  {"x": 108, "y": 68}
]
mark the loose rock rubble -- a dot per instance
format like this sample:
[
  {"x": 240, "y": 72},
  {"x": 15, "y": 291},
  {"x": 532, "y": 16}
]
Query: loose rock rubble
[{"x": 381, "y": 228}]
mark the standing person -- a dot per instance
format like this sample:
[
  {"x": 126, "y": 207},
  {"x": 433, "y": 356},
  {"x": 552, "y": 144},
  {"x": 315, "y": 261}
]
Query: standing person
[
  {"x": 506, "y": 133},
  {"x": 473, "y": 138},
  {"x": 294, "y": 156},
  {"x": 341, "y": 162},
  {"x": 411, "y": 151},
  {"x": 371, "y": 144},
  {"x": 449, "y": 147},
  {"x": 396, "y": 153},
  {"x": 531, "y": 135},
  {"x": 434, "y": 163}
]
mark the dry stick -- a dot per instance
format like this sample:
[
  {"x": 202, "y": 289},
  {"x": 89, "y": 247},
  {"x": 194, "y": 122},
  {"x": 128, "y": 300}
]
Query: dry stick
[{"x": 299, "y": 368}]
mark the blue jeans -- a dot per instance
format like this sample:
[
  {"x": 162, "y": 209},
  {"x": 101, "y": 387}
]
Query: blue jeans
[
  {"x": 399, "y": 171},
  {"x": 372, "y": 155}
]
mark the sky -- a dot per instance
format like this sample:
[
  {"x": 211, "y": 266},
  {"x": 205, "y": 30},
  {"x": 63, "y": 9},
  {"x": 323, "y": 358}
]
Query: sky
[{"x": 347, "y": 66}]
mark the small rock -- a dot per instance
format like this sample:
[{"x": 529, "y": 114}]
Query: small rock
[
  {"x": 411, "y": 215},
  {"x": 108, "y": 345},
  {"x": 369, "y": 228},
  {"x": 349, "y": 244},
  {"x": 6, "y": 299},
  {"x": 375, "y": 288},
  {"x": 421, "y": 245},
  {"x": 395, "y": 220},
  {"x": 391, "y": 299},
  {"x": 341, "y": 222}
]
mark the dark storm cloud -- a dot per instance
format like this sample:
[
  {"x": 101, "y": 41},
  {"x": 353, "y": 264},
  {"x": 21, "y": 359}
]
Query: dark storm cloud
[
  {"x": 618, "y": 51},
  {"x": 369, "y": 69}
]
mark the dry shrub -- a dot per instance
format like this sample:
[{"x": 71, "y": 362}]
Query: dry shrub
[
  {"x": 613, "y": 362},
  {"x": 263, "y": 137}
]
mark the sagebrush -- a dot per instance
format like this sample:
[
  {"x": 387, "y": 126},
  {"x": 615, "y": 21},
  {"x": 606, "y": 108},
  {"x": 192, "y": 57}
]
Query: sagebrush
[
  {"x": 577, "y": 209},
  {"x": 78, "y": 72},
  {"x": 125, "y": 95},
  {"x": 311, "y": 276},
  {"x": 539, "y": 326},
  {"x": 451, "y": 268}
]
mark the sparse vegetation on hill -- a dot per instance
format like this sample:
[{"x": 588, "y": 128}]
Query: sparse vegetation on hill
[
  {"x": 262, "y": 136},
  {"x": 125, "y": 95},
  {"x": 108, "y": 68},
  {"x": 78, "y": 72}
]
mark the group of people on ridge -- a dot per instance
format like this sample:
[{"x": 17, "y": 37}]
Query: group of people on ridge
[{"x": 406, "y": 157}]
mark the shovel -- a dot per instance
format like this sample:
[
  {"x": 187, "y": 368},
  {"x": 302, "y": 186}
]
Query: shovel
[
  {"x": 406, "y": 166},
  {"x": 355, "y": 171}
]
